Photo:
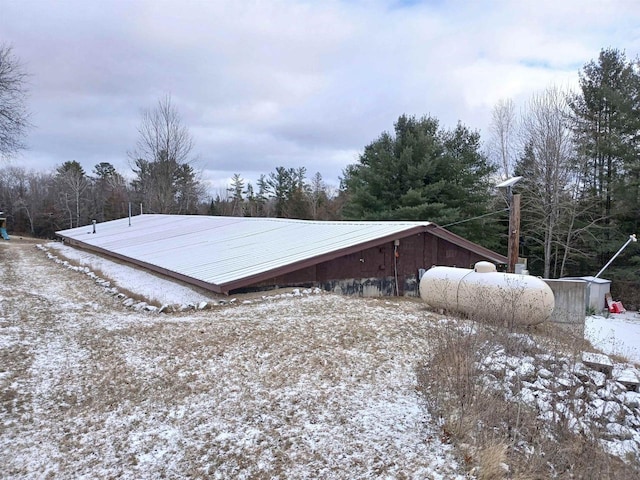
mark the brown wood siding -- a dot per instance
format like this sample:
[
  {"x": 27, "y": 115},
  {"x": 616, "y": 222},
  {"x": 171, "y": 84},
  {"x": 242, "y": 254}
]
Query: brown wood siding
[
  {"x": 371, "y": 262},
  {"x": 452, "y": 255},
  {"x": 299, "y": 277},
  {"x": 417, "y": 251}
]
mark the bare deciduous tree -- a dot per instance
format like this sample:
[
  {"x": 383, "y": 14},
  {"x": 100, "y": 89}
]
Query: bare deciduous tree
[
  {"x": 73, "y": 183},
  {"x": 14, "y": 117},
  {"x": 165, "y": 179},
  {"x": 547, "y": 166},
  {"x": 503, "y": 129}
]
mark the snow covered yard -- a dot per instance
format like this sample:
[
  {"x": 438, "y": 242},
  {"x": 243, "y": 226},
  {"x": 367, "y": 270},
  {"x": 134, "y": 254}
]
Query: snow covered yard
[
  {"x": 290, "y": 384},
  {"x": 307, "y": 387},
  {"x": 617, "y": 334}
]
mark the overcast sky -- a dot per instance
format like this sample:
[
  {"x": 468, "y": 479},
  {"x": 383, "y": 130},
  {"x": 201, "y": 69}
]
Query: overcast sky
[{"x": 291, "y": 83}]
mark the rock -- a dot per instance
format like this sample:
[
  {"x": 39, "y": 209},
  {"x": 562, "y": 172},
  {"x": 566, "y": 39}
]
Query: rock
[
  {"x": 595, "y": 407},
  {"x": 611, "y": 411},
  {"x": 513, "y": 362},
  {"x": 631, "y": 399},
  {"x": 599, "y": 379},
  {"x": 128, "y": 302},
  {"x": 544, "y": 373},
  {"x": 619, "y": 431},
  {"x": 598, "y": 362},
  {"x": 526, "y": 370},
  {"x": 628, "y": 378},
  {"x": 606, "y": 394},
  {"x": 615, "y": 387},
  {"x": 497, "y": 368},
  {"x": 564, "y": 383},
  {"x": 542, "y": 384},
  {"x": 510, "y": 375},
  {"x": 202, "y": 305},
  {"x": 580, "y": 371},
  {"x": 166, "y": 308},
  {"x": 527, "y": 396},
  {"x": 633, "y": 421},
  {"x": 620, "y": 448}
]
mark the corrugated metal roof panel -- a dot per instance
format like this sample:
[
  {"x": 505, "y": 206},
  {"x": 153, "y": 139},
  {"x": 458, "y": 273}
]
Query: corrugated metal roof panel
[{"x": 221, "y": 250}]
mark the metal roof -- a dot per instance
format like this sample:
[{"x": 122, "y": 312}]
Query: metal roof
[
  {"x": 224, "y": 253},
  {"x": 222, "y": 250}
]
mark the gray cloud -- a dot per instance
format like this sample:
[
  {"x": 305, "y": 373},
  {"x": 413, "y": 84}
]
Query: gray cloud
[{"x": 292, "y": 83}]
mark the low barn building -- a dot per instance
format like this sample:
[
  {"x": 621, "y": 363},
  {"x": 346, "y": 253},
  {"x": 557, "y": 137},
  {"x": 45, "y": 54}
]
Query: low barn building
[{"x": 239, "y": 254}]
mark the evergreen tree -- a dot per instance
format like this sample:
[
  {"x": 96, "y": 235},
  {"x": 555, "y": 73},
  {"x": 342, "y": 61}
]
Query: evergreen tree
[
  {"x": 262, "y": 196},
  {"x": 109, "y": 193},
  {"x": 607, "y": 117},
  {"x": 236, "y": 190},
  {"x": 288, "y": 189},
  {"x": 423, "y": 173}
]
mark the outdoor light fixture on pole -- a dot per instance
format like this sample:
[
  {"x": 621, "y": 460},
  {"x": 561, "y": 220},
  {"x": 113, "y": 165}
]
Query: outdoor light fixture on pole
[{"x": 514, "y": 222}]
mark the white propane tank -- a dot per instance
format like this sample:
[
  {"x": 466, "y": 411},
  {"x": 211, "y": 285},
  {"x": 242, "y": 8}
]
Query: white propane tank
[{"x": 482, "y": 292}]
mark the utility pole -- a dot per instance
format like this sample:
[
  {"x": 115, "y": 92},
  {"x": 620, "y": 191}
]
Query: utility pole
[
  {"x": 514, "y": 232},
  {"x": 513, "y": 201}
]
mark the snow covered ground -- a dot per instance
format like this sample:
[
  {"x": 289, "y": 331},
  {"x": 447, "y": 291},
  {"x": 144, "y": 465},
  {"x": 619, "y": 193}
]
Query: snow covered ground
[
  {"x": 315, "y": 386},
  {"x": 618, "y": 334},
  {"x": 154, "y": 287},
  {"x": 285, "y": 386}
]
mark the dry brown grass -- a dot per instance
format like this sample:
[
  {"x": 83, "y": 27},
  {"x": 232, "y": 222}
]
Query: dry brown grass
[
  {"x": 491, "y": 462},
  {"x": 272, "y": 390},
  {"x": 490, "y": 431},
  {"x": 309, "y": 387}
]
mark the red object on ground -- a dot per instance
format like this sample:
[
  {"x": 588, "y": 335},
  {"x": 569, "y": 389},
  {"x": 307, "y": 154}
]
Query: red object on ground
[{"x": 616, "y": 307}]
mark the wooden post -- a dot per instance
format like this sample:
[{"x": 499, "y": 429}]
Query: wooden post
[{"x": 514, "y": 232}]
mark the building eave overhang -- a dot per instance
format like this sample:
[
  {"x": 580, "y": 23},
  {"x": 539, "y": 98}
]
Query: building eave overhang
[
  {"x": 463, "y": 242},
  {"x": 312, "y": 261}
]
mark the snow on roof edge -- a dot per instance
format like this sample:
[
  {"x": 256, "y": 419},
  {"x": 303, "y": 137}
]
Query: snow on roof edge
[{"x": 162, "y": 246}]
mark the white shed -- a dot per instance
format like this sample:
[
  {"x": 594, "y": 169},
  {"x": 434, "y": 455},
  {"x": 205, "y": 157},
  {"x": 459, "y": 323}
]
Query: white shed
[{"x": 597, "y": 288}]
